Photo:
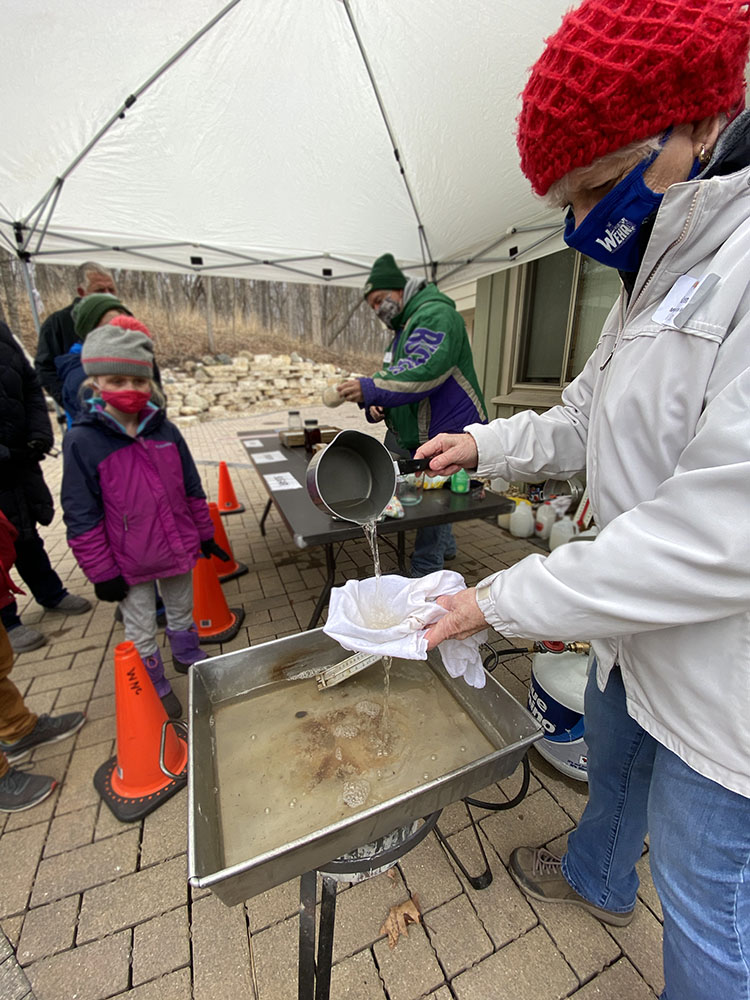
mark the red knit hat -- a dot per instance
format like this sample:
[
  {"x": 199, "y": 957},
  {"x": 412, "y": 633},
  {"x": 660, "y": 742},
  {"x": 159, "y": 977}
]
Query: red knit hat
[{"x": 621, "y": 70}]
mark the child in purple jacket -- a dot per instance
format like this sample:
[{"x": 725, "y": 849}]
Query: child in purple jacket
[{"x": 133, "y": 502}]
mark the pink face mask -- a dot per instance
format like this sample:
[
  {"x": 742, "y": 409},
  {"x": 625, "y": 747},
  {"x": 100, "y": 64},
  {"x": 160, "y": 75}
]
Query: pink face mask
[{"x": 126, "y": 400}]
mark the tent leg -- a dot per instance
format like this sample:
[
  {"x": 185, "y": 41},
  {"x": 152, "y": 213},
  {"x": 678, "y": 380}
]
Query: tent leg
[{"x": 27, "y": 280}]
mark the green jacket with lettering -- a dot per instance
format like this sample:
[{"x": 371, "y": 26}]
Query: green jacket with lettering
[{"x": 429, "y": 385}]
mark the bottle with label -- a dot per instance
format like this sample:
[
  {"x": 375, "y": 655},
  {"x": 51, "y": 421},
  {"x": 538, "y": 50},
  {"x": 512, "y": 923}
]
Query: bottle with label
[
  {"x": 545, "y": 518},
  {"x": 460, "y": 481},
  {"x": 312, "y": 435},
  {"x": 522, "y": 520},
  {"x": 562, "y": 531},
  {"x": 294, "y": 420}
]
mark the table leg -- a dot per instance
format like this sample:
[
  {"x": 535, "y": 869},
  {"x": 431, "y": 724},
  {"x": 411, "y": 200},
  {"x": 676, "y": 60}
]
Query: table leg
[
  {"x": 327, "y": 586},
  {"x": 306, "y": 974},
  {"x": 266, "y": 510},
  {"x": 400, "y": 549}
]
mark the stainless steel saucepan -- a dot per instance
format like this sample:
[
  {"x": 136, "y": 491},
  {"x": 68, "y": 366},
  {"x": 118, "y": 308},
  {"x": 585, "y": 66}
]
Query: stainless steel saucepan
[{"x": 354, "y": 477}]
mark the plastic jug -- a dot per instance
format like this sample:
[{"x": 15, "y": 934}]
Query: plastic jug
[
  {"x": 562, "y": 531},
  {"x": 522, "y": 520},
  {"x": 545, "y": 518}
]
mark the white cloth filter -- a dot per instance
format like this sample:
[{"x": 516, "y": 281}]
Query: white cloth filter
[{"x": 388, "y": 615}]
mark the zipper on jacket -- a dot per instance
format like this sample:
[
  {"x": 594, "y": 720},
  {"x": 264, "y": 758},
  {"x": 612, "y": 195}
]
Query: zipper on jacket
[
  {"x": 651, "y": 273},
  {"x": 125, "y": 521}
]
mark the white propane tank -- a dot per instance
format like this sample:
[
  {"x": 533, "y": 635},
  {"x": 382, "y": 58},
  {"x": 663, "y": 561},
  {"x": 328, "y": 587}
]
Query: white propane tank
[
  {"x": 556, "y": 689},
  {"x": 562, "y": 531},
  {"x": 546, "y": 516},
  {"x": 522, "y": 520}
]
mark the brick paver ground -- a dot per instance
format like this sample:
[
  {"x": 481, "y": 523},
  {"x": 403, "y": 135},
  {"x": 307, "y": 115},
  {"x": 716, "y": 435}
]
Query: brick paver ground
[{"x": 93, "y": 908}]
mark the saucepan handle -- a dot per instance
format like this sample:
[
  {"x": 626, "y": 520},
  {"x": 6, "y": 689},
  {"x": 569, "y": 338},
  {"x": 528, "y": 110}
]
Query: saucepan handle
[{"x": 406, "y": 465}]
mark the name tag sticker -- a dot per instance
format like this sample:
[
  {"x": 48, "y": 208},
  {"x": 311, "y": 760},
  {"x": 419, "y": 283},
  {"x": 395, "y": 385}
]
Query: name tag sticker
[
  {"x": 683, "y": 299},
  {"x": 387, "y": 357}
]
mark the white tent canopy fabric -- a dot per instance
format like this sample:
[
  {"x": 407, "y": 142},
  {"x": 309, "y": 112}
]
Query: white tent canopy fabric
[{"x": 267, "y": 149}]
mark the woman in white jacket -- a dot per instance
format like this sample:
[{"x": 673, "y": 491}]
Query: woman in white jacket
[{"x": 630, "y": 119}]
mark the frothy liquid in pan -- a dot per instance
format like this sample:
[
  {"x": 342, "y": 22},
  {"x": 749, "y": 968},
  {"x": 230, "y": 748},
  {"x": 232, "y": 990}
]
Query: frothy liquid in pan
[{"x": 291, "y": 759}]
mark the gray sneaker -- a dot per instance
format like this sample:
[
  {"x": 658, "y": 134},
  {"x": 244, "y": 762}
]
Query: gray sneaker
[
  {"x": 539, "y": 873},
  {"x": 23, "y": 638},
  {"x": 71, "y": 604},
  {"x": 20, "y": 790},
  {"x": 48, "y": 729}
]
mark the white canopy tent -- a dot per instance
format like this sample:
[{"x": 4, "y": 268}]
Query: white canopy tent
[{"x": 279, "y": 139}]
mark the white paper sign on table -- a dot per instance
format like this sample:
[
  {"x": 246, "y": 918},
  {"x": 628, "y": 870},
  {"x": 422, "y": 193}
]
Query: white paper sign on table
[
  {"x": 252, "y": 443},
  {"x": 281, "y": 481},
  {"x": 265, "y": 457}
]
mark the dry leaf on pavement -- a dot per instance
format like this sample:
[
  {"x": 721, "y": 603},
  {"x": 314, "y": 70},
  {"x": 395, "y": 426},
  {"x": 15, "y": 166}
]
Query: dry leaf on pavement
[{"x": 398, "y": 917}]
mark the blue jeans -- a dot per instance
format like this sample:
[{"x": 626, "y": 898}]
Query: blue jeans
[
  {"x": 699, "y": 849},
  {"x": 431, "y": 545}
]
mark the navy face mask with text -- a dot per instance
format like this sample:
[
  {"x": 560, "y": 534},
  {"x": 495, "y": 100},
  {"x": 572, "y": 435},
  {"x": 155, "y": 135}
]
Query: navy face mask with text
[{"x": 609, "y": 233}]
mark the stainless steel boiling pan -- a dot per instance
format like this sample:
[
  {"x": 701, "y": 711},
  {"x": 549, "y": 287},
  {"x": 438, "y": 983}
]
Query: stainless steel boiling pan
[
  {"x": 507, "y": 725},
  {"x": 354, "y": 477}
]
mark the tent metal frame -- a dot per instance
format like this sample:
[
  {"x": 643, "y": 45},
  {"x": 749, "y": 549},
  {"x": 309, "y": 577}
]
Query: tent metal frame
[{"x": 39, "y": 218}]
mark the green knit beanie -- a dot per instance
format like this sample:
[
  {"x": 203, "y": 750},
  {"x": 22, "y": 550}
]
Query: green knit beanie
[
  {"x": 385, "y": 274},
  {"x": 89, "y": 310}
]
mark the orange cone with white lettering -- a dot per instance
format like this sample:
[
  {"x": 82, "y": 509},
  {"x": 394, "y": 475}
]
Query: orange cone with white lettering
[
  {"x": 151, "y": 760},
  {"x": 214, "y": 619},
  {"x": 228, "y": 502},
  {"x": 224, "y": 570}
]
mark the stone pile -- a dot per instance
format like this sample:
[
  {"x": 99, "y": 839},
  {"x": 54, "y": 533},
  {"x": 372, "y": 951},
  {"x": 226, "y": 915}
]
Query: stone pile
[{"x": 216, "y": 387}]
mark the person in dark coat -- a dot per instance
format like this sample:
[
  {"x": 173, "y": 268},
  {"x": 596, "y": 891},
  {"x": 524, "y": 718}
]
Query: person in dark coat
[
  {"x": 87, "y": 314},
  {"x": 58, "y": 335},
  {"x": 25, "y": 438}
]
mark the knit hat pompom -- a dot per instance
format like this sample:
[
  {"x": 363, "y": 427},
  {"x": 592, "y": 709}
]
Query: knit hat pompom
[
  {"x": 131, "y": 323},
  {"x": 87, "y": 312},
  {"x": 385, "y": 274},
  {"x": 618, "y": 71},
  {"x": 110, "y": 350}
]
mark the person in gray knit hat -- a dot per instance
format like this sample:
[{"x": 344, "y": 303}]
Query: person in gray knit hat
[
  {"x": 112, "y": 350},
  {"x": 133, "y": 503}
]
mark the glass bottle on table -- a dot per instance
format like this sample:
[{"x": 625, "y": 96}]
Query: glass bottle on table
[
  {"x": 312, "y": 435},
  {"x": 294, "y": 420}
]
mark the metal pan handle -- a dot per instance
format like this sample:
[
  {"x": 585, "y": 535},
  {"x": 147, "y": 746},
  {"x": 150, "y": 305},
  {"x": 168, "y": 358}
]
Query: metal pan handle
[
  {"x": 181, "y": 727},
  {"x": 406, "y": 465}
]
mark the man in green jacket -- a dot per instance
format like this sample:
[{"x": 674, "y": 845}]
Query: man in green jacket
[{"x": 427, "y": 383}]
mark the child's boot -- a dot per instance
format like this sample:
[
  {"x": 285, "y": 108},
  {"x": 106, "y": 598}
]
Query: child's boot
[
  {"x": 185, "y": 646},
  {"x": 155, "y": 670}
]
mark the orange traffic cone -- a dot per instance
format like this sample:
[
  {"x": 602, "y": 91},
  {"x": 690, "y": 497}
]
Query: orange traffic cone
[
  {"x": 215, "y": 621},
  {"x": 224, "y": 570},
  {"x": 151, "y": 761},
  {"x": 228, "y": 502}
]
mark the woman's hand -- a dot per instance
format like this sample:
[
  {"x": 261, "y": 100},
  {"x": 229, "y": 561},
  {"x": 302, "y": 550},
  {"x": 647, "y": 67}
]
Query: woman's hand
[
  {"x": 377, "y": 413},
  {"x": 463, "y": 619},
  {"x": 351, "y": 390},
  {"x": 449, "y": 453}
]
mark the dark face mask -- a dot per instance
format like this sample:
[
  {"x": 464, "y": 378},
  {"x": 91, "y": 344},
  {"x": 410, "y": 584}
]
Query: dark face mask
[
  {"x": 609, "y": 233},
  {"x": 387, "y": 311}
]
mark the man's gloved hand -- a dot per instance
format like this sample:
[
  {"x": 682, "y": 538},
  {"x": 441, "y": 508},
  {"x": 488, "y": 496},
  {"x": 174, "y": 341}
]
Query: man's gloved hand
[
  {"x": 40, "y": 446},
  {"x": 210, "y": 548},
  {"x": 115, "y": 589}
]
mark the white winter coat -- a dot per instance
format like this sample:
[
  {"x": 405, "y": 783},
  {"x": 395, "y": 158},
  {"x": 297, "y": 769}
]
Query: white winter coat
[{"x": 660, "y": 419}]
